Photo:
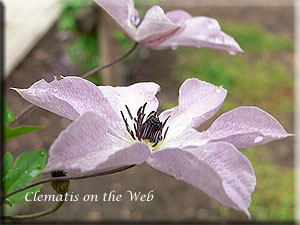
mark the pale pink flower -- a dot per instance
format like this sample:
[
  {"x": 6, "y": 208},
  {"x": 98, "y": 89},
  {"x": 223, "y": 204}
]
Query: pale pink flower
[
  {"x": 159, "y": 30},
  {"x": 113, "y": 127}
]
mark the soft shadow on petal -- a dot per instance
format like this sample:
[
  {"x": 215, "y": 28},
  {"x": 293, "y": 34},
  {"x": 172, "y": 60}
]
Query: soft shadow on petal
[
  {"x": 177, "y": 15},
  {"x": 202, "y": 32},
  {"x": 134, "y": 96},
  {"x": 68, "y": 97},
  {"x": 89, "y": 144},
  {"x": 218, "y": 169},
  {"x": 124, "y": 14},
  {"x": 188, "y": 138},
  {"x": 198, "y": 101},
  {"x": 246, "y": 127},
  {"x": 156, "y": 27}
]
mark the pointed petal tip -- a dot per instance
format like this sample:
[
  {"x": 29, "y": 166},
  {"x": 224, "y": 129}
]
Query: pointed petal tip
[
  {"x": 20, "y": 91},
  {"x": 239, "y": 51},
  {"x": 247, "y": 126},
  {"x": 15, "y": 89},
  {"x": 236, "y": 49},
  {"x": 246, "y": 211}
]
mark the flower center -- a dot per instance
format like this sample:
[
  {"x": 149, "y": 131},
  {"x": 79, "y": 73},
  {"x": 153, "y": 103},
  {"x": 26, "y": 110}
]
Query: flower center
[{"x": 150, "y": 130}]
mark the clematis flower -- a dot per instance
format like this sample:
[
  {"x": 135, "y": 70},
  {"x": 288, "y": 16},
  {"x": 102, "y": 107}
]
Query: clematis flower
[
  {"x": 116, "y": 126},
  {"x": 159, "y": 30}
]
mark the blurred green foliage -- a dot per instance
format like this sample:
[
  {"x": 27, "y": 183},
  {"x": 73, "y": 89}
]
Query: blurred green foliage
[
  {"x": 273, "y": 198},
  {"x": 125, "y": 43},
  {"x": 83, "y": 50},
  {"x": 138, "y": 3},
  {"x": 70, "y": 7},
  {"x": 260, "y": 80},
  {"x": 255, "y": 39},
  {"x": 261, "y": 76},
  {"x": 257, "y": 75}
]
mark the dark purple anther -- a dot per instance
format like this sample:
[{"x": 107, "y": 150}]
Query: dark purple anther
[{"x": 151, "y": 129}]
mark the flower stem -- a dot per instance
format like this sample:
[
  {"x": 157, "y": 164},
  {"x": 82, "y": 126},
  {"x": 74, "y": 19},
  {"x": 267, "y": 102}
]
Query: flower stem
[
  {"x": 36, "y": 215},
  {"x": 25, "y": 111},
  {"x": 78, "y": 177},
  {"x": 97, "y": 69}
]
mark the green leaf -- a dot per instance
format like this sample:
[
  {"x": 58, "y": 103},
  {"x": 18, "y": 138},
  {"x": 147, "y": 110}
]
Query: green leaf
[
  {"x": 9, "y": 117},
  {"x": 8, "y": 114},
  {"x": 8, "y": 202},
  {"x": 21, "y": 195},
  {"x": 10, "y": 133},
  {"x": 8, "y": 162},
  {"x": 11, "y": 202},
  {"x": 7, "y": 166},
  {"x": 28, "y": 166}
]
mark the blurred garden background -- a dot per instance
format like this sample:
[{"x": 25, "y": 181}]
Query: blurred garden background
[{"x": 262, "y": 76}]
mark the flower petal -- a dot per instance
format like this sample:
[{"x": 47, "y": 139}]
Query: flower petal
[
  {"x": 198, "y": 101},
  {"x": 69, "y": 97},
  {"x": 156, "y": 27},
  {"x": 177, "y": 15},
  {"x": 89, "y": 144},
  {"x": 124, "y": 14},
  {"x": 218, "y": 169},
  {"x": 188, "y": 138},
  {"x": 246, "y": 127},
  {"x": 202, "y": 32},
  {"x": 134, "y": 96}
]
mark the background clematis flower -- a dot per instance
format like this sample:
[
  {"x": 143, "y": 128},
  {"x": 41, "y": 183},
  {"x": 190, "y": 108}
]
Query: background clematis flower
[
  {"x": 159, "y": 30},
  {"x": 116, "y": 126}
]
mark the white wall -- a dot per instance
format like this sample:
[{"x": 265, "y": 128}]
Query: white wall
[{"x": 26, "y": 21}]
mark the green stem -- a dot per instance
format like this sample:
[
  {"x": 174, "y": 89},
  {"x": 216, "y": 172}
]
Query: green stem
[
  {"x": 25, "y": 111},
  {"x": 97, "y": 69},
  {"x": 36, "y": 215}
]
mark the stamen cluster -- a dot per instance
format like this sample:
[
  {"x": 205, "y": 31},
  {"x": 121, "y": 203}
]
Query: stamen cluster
[{"x": 151, "y": 129}]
